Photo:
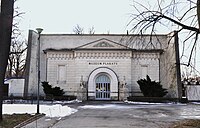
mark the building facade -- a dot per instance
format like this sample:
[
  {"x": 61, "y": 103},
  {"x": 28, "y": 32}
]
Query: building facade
[{"x": 101, "y": 66}]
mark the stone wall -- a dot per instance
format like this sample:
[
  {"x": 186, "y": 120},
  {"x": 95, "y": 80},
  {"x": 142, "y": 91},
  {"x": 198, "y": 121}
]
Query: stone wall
[
  {"x": 31, "y": 74},
  {"x": 169, "y": 76},
  {"x": 16, "y": 87}
]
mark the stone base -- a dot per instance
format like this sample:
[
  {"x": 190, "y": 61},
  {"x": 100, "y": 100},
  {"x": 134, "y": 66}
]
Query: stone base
[{"x": 93, "y": 98}]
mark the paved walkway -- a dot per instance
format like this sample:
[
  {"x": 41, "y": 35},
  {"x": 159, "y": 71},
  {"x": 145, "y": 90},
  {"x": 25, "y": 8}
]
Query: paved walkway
[{"x": 120, "y": 115}]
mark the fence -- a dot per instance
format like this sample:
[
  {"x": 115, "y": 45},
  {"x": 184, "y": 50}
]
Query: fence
[
  {"x": 32, "y": 99},
  {"x": 192, "y": 92}
]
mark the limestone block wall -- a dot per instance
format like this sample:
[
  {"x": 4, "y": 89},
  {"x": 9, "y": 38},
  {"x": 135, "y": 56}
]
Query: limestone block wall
[
  {"x": 78, "y": 68},
  {"x": 144, "y": 64},
  {"x": 65, "y": 59}
]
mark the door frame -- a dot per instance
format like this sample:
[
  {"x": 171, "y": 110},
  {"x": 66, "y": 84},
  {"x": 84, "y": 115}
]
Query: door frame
[{"x": 91, "y": 87}]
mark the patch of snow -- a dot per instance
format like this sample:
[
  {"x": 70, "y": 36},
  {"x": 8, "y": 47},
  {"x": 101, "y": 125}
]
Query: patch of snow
[
  {"x": 56, "y": 110},
  {"x": 67, "y": 102},
  {"x": 161, "y": 115},
  {"x": 142, "y": 103},
  {"x": 47, "y": 119},
  {"x": 59, "y": 118},
  {"x": 104, "y": 106},
  {"x": 20, "y": 101},
  {"x": 129, "y": 106},
  {"x": 148, "y": 103},
  {"x": 195, "y": 102},
  {"x": 74, "y": 101}
]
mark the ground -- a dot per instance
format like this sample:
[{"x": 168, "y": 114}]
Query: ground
[
  {"x": 9, "y": 121},
  {"x": 116, "y": 114},
  {"x": 12, "y": 120}
]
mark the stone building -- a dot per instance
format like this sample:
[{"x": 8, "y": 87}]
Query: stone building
[{"x": 102, "y": 66}]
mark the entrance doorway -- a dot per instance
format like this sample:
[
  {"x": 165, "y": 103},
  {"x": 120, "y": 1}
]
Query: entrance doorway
[
  {"x": 102, "y": 84},
  {"x": 102, "y": 87}
]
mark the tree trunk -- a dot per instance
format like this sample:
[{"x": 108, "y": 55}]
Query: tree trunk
[
  {"x": 198, "y": 12},
  {"x": 6, "y": 18},
  {"x": 9, "y": 67},
  {"x": 17, "y": 71}
]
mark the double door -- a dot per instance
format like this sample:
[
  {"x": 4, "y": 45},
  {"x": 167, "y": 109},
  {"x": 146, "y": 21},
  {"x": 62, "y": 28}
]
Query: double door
[{"x": 103, "y": 87}]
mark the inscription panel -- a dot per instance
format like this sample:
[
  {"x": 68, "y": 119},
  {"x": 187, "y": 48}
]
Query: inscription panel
[{"x": 102, "y": 63}]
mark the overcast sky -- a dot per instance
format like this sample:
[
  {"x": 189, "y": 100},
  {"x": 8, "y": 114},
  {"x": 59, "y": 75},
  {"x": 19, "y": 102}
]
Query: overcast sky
[{"x": 60, "y": 16}]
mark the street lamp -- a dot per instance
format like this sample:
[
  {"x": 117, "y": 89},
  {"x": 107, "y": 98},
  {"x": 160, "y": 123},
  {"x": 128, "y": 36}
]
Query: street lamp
[{"x": 39, "y": 31}]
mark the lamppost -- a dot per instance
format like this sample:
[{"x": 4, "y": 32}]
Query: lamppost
[{"x": 39, "y": 30}]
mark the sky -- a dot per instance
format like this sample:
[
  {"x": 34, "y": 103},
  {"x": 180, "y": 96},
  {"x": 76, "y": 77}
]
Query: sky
[
  {"x": 106, "y": 16},
  {"x": 61, "y": 16}
]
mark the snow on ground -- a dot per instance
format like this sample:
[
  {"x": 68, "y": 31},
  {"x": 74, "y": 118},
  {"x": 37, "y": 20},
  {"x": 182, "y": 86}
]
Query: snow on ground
[
  {"x": 198, "y": 103},
  {"x": 148, "y": 103},
  {"x": 120, "y": 106},
  {"x": 142, "y": 103},
  {"x": 131, "y": 105},
  {"x": 41, "y": 102},
  {"x": 56, "y": 110},
  {"x": 67, "y": 102},
  {"x": 105, "y": 106}
]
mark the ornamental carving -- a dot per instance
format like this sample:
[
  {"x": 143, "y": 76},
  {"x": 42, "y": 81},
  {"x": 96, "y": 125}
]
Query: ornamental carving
[
  {"x": 103, "y": 44},
  {"x": 146, "y": 55},
  {"x": 102, "y": 55}
]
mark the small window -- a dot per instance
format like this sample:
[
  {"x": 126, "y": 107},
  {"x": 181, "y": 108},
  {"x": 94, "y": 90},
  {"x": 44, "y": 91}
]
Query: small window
[
  {"x": 61, "y": 73},
  {"x": 144, "y": 71}
]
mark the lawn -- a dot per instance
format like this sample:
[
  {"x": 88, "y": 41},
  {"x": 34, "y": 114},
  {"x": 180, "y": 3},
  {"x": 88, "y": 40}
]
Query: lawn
[
  {"x": 9, "y": 121},
  {"x": 187, "y": 123}
]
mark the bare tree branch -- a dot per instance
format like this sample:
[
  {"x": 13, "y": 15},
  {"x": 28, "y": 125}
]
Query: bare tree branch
[
  {"x": 191, "y": 53},
  {"x": 184, "y": 16}
]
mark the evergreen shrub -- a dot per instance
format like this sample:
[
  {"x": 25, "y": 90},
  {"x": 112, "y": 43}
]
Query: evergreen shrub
[
  {"x": 151, "y": 88},
  {"x": 49, "y": 90}
]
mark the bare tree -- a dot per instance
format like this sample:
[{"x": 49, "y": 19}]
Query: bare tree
[
  {"x": 78, "y": 30},
  {"x": 16, "y": 60},
  {"x": 16, "y": 20},
  {"x": 91, "y": 30},
  {"x": 184, "y": 16},
  {"x": 6, "y": 19}
]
